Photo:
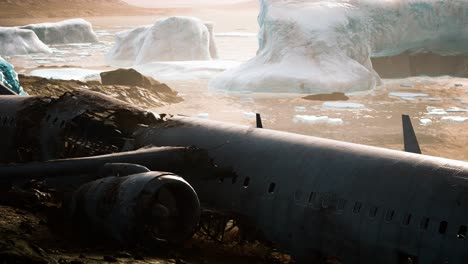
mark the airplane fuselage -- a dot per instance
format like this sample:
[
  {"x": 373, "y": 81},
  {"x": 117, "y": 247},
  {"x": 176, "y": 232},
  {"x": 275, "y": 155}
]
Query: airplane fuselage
[{"x": 323, "y": 198}]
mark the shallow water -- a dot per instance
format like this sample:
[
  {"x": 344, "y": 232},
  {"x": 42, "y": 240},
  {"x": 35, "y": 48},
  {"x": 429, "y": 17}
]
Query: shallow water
[{"x": 372, "y": 117}]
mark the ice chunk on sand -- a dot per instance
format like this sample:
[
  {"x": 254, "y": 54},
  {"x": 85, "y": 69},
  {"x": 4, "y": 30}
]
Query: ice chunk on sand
[
  {"x": 64, "y": 32},
  {"x": 68, "y": 74},
  {"x": 343, "y": 105},
  {"x": 425, "y": 121},
  {"x": 300, "y": 109},
  {"x": 170, "y": 39},
  {"x": 317, "y": 120},
  {"x": 9, "y": 78},
  {"x": 15, "y": 41},
  {"x": 407, "y": 95},
  {"x": 312, "y": 46},
  {"x": 457, "y": 119},
  {"x": 435, "y": 111},
  {"x": 457, "y": 110},
  {"x": 250, "y": 114},
  {"x": 203, "y": 115}
]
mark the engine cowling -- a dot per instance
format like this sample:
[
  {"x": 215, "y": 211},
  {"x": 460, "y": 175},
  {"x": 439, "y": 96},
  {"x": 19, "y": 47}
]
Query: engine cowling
[{"x": 150, "y": 206}]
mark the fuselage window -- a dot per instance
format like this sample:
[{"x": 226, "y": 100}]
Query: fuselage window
[
  {"x": 443, "y": 227},
  {"x": 357, "y": 207},
  {"x": 272, "y": 187},
  {"x": 425, "y": 223},
  {"x": 234, "y": 179},
  {"x": 373, "y": 211},
  {"x": 389, "y": 215},
  {"x": 341, "y": 204},
  {"x": 311, "y": 197},
  {"x": 407, "y": 220},
  {"x": 461, "y": 232},
  {"x": 246, "y": 182}
]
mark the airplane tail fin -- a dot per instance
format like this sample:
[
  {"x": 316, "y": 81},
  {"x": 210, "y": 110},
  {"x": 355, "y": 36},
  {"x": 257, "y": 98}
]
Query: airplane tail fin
[
  {"x": 259, "y": 121},
  {"x": 409, "y": 136}
]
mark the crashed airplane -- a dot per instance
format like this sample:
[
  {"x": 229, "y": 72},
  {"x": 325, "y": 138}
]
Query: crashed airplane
[{"x": 311, "y": 197}]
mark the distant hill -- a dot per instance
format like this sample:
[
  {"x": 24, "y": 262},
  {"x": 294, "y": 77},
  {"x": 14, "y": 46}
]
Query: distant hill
[{"x": 67, "y": 8}]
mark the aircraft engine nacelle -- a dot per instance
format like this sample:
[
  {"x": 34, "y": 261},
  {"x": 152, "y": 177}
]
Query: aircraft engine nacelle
[{"x": 145, "y": 207}]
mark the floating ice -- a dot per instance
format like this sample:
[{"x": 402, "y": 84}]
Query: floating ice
[
  {"x": 170, "y": 39},
  {"x": 407, "y": 96},
  {"x": 343, "y": 105},
  {"x": 312, "y": 46},
  {"x": 15, "y": 41},
  {"x": 432, "y": 99},
  {"x": 68, "y": 31},
  {"x": 185, "y": 70},
  {"x": 406, "y": 85},
  {"x": 250, "y": 114},
  {"x": 247, "y": 100},
  {"x": 317, "y": 119},
  {"x": 300, "y": 109},
  {"x": 203, "y": 115},
  {"x": 457, "y": 119},
  {"x": 68, "y": 74},
  {"x": 425, "y": 121},
  {"x": 435, "y": 111},
  {"x": 457, "y": 110}
]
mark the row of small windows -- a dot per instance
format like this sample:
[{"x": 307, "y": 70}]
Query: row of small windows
[
  {"x": 390, "y": 216},
  {"x": 6, "y": 121},
  {"x": 373, "y": 211}
]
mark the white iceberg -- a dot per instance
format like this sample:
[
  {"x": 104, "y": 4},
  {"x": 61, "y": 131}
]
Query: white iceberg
[
  {"x": 170, "y": 39},
  {"x": 15, "y": 41},
  {"x": 317, "y": 119},
  {"x": 64, "y": 32},
  {"x": 314, "y": 46}
]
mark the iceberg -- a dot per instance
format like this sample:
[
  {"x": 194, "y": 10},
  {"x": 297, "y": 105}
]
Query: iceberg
[
  {"x": 170, "y": 39},
  {"x": 15, "y": 41},
  {"x": 64, "y": 32},
  {"x": 9, "y": 78},
  {"x": 313, "y": 46}
]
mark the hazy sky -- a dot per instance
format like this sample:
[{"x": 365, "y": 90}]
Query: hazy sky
[{"x": 181, "y": 3}]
